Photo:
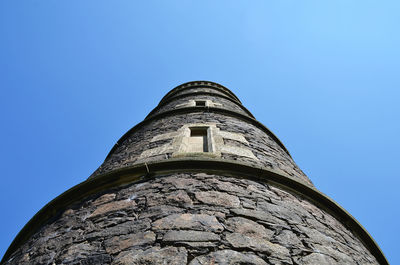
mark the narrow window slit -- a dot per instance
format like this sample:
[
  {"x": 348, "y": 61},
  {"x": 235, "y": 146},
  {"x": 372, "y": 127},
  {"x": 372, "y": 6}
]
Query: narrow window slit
[
  {"x": 201, "y": 103},
  {"x": 198, "y": 139}
]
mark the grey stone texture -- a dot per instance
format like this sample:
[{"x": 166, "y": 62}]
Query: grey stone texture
[
  {"x": 194, "y": 89},
  {"x": 268, "y": 153},
  {"x": 154, "y": 255},
  {"x": 226, "y": 104},
  {"x": 194, "y": 218}
]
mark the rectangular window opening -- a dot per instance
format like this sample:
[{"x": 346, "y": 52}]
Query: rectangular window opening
[
  {"x": 198, "y": 139},
  {"x": 201, "y": 103}
]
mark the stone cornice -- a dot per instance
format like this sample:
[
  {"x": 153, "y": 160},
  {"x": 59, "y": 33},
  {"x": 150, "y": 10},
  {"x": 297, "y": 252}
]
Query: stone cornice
[
  {"x": 143, "y": 172},
  {"x": 200, "y": 84}
]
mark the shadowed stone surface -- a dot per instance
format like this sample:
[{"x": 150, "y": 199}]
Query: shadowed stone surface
[
  {"x": 147, "y": 226},
  {"x": 316, "y": 258},
  {"x": 117, "y": 244},
  {"x": 228, "y": 257},
  {"x": 218, "y": 198},
  {"x": 153, "y": 256},
  {"x": 248, "y": 228},
  {"x": 239, "y": 241},
  {"x": 112, "y": 207},
  {"x": 190, "y": 236},
  {"x": 188, "y": 221}
]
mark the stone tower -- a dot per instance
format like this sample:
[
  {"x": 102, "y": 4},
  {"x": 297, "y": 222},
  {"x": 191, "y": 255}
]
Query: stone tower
[{"x": 199, "y": 181}]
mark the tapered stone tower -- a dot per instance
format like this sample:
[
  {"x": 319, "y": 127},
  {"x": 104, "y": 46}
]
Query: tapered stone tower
[{"x": 199, "y": 181}]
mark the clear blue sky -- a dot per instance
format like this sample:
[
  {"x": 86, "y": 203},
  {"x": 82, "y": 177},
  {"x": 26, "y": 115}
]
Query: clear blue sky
[{"x": 322, "y": 75}]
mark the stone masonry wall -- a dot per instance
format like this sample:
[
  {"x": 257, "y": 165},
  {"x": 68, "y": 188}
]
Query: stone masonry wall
[
  {"x": 268, "y": 153},
  {"x": 226, "y": 104},
  {"x": 201, "y": 89},
  {"x": 194, "y": 218}
]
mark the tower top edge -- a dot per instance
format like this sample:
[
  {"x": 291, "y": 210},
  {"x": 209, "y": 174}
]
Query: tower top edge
[{"x": 200, "y": 83}]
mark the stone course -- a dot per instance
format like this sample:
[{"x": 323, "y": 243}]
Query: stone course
[{"x": 194, "y": 218}]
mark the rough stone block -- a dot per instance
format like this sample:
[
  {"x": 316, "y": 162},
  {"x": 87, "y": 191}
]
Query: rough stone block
[
  {"x": 190, "y": 236},
  {"x": 218, "y": 198},
  {"x": 228, "y": 257},
  {"x": 152, "y": 256},
  {"x": 248, "y": 228},
  {"x": 259, "y": 215},
  {"x": 240, "y": 241},
  {"x": 112, "y": 207},
  {"x": 118, "y": 244},
  {"x": 200, "y": 222}
]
